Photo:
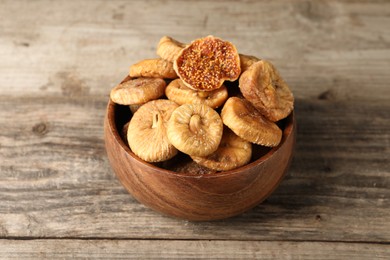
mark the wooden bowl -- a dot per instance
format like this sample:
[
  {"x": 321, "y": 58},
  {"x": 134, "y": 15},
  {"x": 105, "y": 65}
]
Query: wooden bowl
[{"x": 193, "y": 196}]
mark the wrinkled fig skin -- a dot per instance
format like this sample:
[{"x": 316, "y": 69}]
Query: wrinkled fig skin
[
  {"x": 153, "y": 68},
  {"x": 201, "y": 77},
  {"x": 178, "y": 92},
  {"x": 133, "y": 108},
  {"x": 195, "y": 129},
  {"x": 147, "y": 132},
  {"x": 123, "y": 133},
  {"x": 262, "y": 85},
  {"x": 248, "y": 123},
  {"x": 233, "y": 152},
  {"x": 138, "y": 91},
  {"x": 183, "y": 163},
  {"x": 246, "y": 61},
  {"x": 168, "y": 48}
]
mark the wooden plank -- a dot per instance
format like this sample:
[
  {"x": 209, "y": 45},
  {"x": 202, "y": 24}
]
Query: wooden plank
[
  {"x": 341, "y": 46},
  {"x": 157, "y": 249},
  {"x": 56, "y": 181}
]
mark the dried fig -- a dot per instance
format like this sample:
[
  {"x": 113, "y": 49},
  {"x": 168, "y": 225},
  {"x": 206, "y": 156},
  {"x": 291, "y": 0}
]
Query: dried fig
[
  {"x": 207, "y": 62},
  {"x": 184, "y": 164},
  {"x": 153, "y": 68},
  {"x": 233, "y": 152},
  {"x": 169, "y": 49},
  {"x": 248, "y": 123},
  {"x": 181, "y": 94},
  {"x": 192, "y": 168},
  {"x": 262, "y": 85},
  {"x": 147, "y": 132},
  {"x": 195, "y": 129},
  {"x": 123, "y": 133},
  {"x": 246, "y": 61},
  {"x": 138, "y": 91},
  {"x": 135, "y": 107}
]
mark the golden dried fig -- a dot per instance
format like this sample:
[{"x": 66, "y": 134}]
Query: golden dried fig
[
  {"x": 123, "y": 133},
  {"x": 181, "y": 94},
  {"x": 195, "y": 129},
  {"x": 147, "y": 132},
  {"x": 192, "y": 167},
  {"x": 153, "y": 68},
  {"x": 248, "y": 123},
  {"x": 262, "y": 85},
  {"x": 168, "y": 48},
  {"x": 207, "y": 62},
  {"x": 135, "y": 107},
  {"x": 233, "y": 152},
  {"x": 138, "y": 91},
  {"x": 184, "y": 164},
  {"x": 246, "y": 61}
]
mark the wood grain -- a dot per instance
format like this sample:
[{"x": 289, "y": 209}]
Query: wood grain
[
  {"x": 341, "y": 46},
  {"x": 58, "y": 62},
  {"x": 53, "y": 182},
  {"x": 192, "y": 249}
]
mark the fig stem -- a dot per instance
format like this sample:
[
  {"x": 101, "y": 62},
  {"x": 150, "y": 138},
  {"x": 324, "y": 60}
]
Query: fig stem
[
  {"x": 195, "y": 123},
  {"x": 156, "y": 120}
]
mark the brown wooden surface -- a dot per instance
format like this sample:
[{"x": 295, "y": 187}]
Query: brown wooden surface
[
  {"x": 189, "y": 249},
  {"x": 59, "y": 196}
]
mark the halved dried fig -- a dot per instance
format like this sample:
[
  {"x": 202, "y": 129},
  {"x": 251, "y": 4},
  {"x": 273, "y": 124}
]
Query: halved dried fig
[
  {"x": 181, "y": 94},
  {"x": 248, "y": 123},
  {"x": 147, "y": 132},
  {"x": 153, "y": 68},
  {"x": 246, "y": 61},
  {"x": 168, "y": 48},
  {"x": 233, "y": 152},
  {"x": 195, "y": 129},
  {"x": 207, "y": 62},
  {"x": 138, "y": 91},
  {"x": 262, "y": 85}
]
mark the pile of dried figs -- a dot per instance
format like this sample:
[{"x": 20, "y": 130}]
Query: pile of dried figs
[{"x": 203, "y": 100}]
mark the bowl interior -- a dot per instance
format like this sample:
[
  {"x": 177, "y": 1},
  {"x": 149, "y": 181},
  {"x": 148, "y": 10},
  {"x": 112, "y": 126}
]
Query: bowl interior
[{"x": 119, "y": 115}]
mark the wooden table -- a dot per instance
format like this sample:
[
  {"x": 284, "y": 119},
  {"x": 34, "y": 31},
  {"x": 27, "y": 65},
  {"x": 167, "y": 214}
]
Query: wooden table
[{"x": 58, "y": 195}]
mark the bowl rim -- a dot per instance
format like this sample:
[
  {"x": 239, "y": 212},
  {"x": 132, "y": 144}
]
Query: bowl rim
[{"x": 110, "y": 116}]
